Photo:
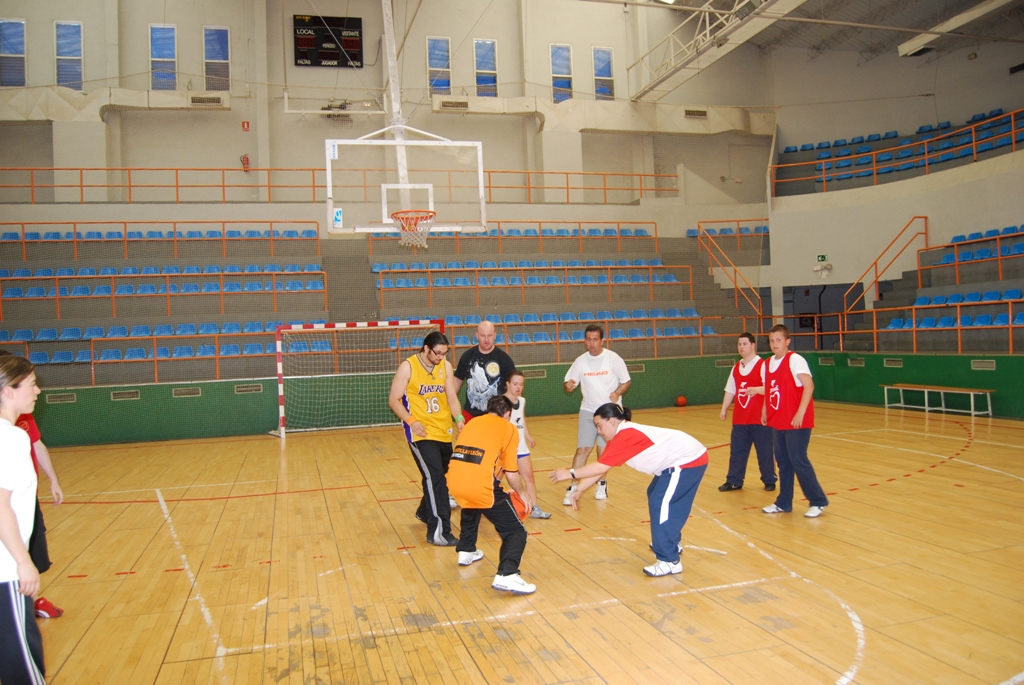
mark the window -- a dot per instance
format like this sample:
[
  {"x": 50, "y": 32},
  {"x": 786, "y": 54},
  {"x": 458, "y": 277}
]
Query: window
[
  {"x": 439, "y": 66},
  {"x": 217, "y": 58},
  {"x": 561, "y": 72},
  {"x": 604, "y": 85},
  {"x": 163, "y": 52},
  {"x": 485, "y": 54},
  {"x": 69, "y": 54},
  {"x": 12, "y": 52}
]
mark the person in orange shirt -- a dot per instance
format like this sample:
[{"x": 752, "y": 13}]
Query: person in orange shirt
[{"x": 485, "y": 451}]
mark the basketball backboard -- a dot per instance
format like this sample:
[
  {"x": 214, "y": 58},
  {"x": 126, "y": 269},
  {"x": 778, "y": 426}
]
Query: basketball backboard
[{"x": 411, "y": 170}]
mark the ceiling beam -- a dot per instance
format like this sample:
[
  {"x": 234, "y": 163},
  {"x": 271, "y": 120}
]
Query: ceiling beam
[{"x": 917, "y": 44}]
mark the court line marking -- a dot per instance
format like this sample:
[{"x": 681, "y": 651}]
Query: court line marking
[
  {"x": 169, "y": 487},
  {"x": 858, "y": 626},
  {"x": 940, "y": 436},
  {"x": 203, "y": 608},
  {"x": 730, "y": 586},
  {"x": 928, "y": 454}
]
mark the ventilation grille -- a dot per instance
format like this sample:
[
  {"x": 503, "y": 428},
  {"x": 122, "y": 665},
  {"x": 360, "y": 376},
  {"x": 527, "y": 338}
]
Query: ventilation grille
[
  {"x": 248, "y": 388},
  {"x": 890, "y": 363},
  {"x": 454, "y": 104},
  {"x": 121, "y": 395},
  {"x": 62, "y": 398},
  {"x": 635, "y": 368},
  {"x": 826, "y": 361},
  {"x": 696, "y": 113},
  {"x": 983, "y": 365},
  {"x": 855, "y": 361},
  {"x": 535, "y": 373},
  {"x": 186, "y": 392},
  {"x": 721, "y": 363},
  {"x": 205, "y": 100}
]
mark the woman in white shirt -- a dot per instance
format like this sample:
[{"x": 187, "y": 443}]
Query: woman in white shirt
[{"x": 675, "y": 459}]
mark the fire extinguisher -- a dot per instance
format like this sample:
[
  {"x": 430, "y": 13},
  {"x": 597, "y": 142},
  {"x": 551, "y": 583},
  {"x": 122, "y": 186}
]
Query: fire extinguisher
[{"x": 244, "y": 159}]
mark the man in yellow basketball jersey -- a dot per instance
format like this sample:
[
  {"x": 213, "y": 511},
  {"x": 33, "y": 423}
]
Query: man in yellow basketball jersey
[{"x": 423, "y": 396}]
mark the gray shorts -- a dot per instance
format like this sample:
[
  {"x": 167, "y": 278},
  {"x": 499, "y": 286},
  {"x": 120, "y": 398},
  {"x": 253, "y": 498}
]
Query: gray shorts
[{"x": 586, "y": 432}]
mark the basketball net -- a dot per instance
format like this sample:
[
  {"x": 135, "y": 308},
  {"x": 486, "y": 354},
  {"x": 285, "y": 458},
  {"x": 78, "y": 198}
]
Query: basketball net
[{"x": 415, "y": 225}]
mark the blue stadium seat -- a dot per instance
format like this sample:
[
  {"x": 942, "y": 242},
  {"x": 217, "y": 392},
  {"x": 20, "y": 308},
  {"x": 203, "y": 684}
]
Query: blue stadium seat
[
  {"x": 462, "y": 341},
  {"x": 938, "y": 299},
  {"x": 972, "y": 297},
  {"x": 563, "y": 336},
  {"x": 578, "y": 335},
  {"x": 493, "y": 318},
  {"x": 1012, "y": 294},
  {"x": 549, "y": 317},
  {"x": 83, "y": 356},
  {"x": 567, "y": 316},
  {"x": 1001, "y": 320},
  {"x": 110, "y": 356},
  {"x": 46, "y": 335},
  {"x": 532, "y": 318},
  {"x": 1019, "y": 319},
  {"x": 520, "y": 338},
  {"x": 946, "y": 322},
  {"x": 512, "y": 318},
  {"x": 473, "y": 319},
  {"x": 182, "y": 352},
  {"x": 617, "y": 334},
  {"x": 62, "y": 357},
  {"x": 534, "y": 280},
  {"x": 927, "y": 322},
  {"x": 991, "y": 296},
  {"x": 982, "y": 320},
  {"x": 117, "y": 332},
  {"x": 14, "y": 293},
  {"x": 707, "y": 330},
  {"x": 140, "y": 331},
  {"x": 71, "y": 334},
  {"x": 955, "y": 298},
  {"x": 894, "y": 324},
  {"x": 656, "y": 313},
  {"x": 542, "y": 337},
  {"x": 587, "y": 316},
  {"x": 497, "y": 280},
  {"x": 921, "y": 301},
  {"x": 135, "y": 353}
]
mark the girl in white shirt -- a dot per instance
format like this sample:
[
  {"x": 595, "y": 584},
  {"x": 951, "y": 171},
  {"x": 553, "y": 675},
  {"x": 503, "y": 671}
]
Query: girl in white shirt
[
  {"x": 514, "y": 383},
  {"x": 21, "y": 645}
]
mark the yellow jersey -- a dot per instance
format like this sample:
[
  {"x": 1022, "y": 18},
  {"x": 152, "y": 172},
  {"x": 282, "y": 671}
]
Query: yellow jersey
[{"x": 426, "y": 400}]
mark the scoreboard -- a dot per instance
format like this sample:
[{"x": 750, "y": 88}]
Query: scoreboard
[{"x": 328, "y": 41}]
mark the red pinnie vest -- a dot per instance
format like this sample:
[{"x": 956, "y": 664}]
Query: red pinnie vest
[
  {"x": 784, "y": 397},
  {"x": 747, "y": 409}
]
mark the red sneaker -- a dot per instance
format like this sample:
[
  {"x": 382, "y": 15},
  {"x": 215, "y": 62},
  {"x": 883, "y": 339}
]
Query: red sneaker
[{"x": 46, "y": 609}]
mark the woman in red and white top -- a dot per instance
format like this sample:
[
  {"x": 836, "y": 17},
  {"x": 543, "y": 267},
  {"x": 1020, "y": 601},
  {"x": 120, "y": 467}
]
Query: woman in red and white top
[{"x": 675, "y": 459}]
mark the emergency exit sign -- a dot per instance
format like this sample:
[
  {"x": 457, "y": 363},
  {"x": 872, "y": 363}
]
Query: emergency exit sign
[{"x": 823, "y": 258}]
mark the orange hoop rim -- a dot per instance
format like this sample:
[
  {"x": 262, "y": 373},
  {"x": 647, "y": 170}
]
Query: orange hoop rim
[{"x": 410, "y": 219}]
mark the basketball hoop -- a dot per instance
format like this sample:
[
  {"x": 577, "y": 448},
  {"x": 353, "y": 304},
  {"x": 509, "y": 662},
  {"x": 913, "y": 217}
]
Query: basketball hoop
[{"x": 415, "y": 225}]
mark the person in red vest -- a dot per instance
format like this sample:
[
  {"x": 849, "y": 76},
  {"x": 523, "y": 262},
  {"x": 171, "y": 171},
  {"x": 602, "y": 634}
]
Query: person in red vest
[
  {"x": 747, "y": 429},
  {"x": 789, "y": 411}
]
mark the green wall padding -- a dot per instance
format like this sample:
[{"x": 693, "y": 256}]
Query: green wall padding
[{"x": 94, "y": 418}]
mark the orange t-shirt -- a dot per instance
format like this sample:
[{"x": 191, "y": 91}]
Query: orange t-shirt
[{"x": 485, "y": 450}]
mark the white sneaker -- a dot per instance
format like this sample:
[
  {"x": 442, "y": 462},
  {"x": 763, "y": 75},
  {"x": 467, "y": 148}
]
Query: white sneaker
[
  {"x": 467, "y": 558},
  {"x": 513, "y": 583},
  {"x": 602, "y": 490},
  {"x": 815, "y": 512},
  {"x": 663, "y": 568},
  {"x": 772, "y": 509},
  {"x": 452, "y": 504},
  {"x": 568, "y": 495}
]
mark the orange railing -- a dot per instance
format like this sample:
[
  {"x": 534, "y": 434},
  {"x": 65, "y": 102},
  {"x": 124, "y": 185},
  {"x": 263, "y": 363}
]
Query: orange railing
[
  {"x": 532, "y": 235},
  {"x": 718, "y": 258},
  {"x": 961, "y": 323},
  {"x": 1000, "y": 255},
  {"x": 848, "y": 305},
  {"x": 274, "y": 232},
  {"x": 522, "y": 273},
  {"x": 925, "y": 153},
  {"x": 44, "y": 185},
  {"x": 59, "y": 288}
]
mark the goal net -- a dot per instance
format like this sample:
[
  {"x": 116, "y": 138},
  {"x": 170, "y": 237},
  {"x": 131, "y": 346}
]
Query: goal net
[{"x": 338, "y": 375}]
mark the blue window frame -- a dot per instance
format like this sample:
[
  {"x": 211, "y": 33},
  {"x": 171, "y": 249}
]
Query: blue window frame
[
  {"x": 604, "y": 83},
  {"x": 12, "y": 52},
  {"x": 163, "y": 56},
  {"x": 485, "y": 54},
  {"x": 439, "y": 65},
  {"x": 561, "y": 72},
  {"x": 217, "y": 57},
  {"x": 68, "y": 41}
]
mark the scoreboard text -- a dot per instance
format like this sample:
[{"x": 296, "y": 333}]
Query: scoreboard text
[{"x": 328, "y": 41}]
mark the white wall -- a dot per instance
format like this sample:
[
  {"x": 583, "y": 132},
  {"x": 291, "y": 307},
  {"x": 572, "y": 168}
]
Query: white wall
[
  {"x": 839, "y": 95},
  {"x": 853, "y": 226}
]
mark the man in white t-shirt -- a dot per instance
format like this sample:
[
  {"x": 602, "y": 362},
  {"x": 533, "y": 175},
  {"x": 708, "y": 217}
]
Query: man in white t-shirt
[{"x": 602, "y": 377}]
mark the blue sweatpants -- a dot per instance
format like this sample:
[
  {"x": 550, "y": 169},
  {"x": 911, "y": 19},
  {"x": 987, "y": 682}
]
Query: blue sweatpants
[{"x": 669, "y": 500}]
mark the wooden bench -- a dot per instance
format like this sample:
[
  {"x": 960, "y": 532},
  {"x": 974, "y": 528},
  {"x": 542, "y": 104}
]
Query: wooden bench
[{"x": 942, "y": 391}]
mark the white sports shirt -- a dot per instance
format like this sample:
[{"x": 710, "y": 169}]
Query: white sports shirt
[{"x": 598, "y": 377}]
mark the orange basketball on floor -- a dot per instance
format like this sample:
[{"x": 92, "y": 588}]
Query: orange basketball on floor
[
  {"x": 681, "y": 401},
  {"x": 519, "y": 505}
]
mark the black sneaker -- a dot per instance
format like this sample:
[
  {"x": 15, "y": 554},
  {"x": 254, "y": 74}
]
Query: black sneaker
[
  {"x": 728, "y": 487},
  {"x": 769, "y": 487},
  {"x": 449, "y": 541}
]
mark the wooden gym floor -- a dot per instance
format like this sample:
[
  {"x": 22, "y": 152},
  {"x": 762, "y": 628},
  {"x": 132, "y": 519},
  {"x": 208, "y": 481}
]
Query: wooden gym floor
[{"x": 234, "y": 561}]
